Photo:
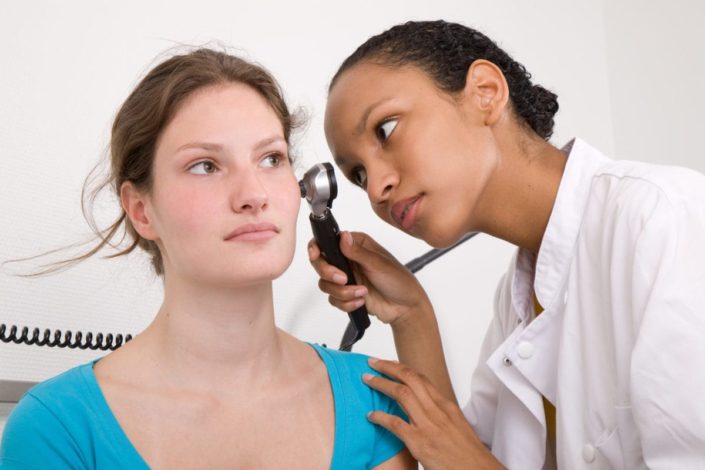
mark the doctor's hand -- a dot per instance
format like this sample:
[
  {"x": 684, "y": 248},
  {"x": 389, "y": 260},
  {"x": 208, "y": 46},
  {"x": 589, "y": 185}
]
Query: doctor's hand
[
  {"x": 437, "y": 434},
  {"x": 389, "y": 290}
]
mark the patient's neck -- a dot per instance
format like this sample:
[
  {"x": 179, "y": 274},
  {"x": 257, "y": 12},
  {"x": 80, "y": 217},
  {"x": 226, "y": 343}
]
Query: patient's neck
[{"x": 217, "y": 337}]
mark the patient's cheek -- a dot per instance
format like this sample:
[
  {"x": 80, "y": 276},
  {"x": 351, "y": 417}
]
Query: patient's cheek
[{"x": 190, "y": 212}]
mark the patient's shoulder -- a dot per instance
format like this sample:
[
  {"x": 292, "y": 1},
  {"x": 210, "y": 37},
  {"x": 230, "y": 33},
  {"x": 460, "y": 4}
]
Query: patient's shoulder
[{"x": 40, "y": 427}]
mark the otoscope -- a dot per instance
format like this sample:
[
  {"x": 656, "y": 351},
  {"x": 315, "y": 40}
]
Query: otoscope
[{"x": 319, "y": 188}]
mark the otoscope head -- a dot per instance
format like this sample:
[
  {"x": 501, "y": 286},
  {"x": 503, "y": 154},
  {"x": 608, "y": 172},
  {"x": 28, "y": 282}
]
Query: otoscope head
[{"x": 319, "y": 188}]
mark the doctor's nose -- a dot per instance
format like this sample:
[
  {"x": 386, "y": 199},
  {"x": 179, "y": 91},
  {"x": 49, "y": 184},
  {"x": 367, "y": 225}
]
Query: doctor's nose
[{"x": 380, "y": 184}]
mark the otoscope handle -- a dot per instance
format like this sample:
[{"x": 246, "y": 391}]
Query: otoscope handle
[{"x": 327, "y": 235}]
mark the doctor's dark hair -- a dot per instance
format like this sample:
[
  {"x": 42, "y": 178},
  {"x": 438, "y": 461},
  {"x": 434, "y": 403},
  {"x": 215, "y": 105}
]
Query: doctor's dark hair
[
  {"x": 141, "y": 120},
  {"x": 445, "y": 51}
]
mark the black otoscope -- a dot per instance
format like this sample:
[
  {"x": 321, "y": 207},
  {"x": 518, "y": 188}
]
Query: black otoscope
[{"x": 319, "y": 188}]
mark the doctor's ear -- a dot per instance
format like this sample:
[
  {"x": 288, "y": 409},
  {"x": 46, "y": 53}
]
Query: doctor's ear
[
  {"x": 486, "y": 90},
  {"x": 136, "y": 205}
]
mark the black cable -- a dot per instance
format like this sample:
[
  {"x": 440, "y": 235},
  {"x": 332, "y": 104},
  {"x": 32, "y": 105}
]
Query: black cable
[
  {"x": 415, "y": 265},
  {"x": 62, "y": 339}
]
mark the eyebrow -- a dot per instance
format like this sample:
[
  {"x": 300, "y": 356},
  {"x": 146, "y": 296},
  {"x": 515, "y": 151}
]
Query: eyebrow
[
  {"x": 200, "y": 145},
  {"x": 217, "y": 147},
  {"x": 269, "y": 140},
  {"x": 362, "y": 124},
  {"x": 340, "y": 161}
]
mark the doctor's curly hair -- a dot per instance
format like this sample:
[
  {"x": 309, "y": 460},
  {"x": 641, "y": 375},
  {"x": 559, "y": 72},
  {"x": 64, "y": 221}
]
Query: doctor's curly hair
[{"x": 445, "y": 51}]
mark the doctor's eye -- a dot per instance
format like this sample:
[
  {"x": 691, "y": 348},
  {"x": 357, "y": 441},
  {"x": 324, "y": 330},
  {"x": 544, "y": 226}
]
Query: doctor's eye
[
  {"x": 359, "y": 177},
  {"x": 203, "y": 168},
  {"x": 385, "y": 129}
]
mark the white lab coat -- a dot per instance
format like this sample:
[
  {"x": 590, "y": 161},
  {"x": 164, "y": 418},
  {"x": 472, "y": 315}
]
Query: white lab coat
[{"x": 620, "y": 347}]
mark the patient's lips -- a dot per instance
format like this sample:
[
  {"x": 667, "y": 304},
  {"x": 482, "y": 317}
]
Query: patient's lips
[{"x": 253, "y": 232}]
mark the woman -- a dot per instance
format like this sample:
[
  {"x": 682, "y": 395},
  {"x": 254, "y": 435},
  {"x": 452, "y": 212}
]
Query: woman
[
  {"x": 593, "y": 358},
  {"x": 200, "y": 162}
]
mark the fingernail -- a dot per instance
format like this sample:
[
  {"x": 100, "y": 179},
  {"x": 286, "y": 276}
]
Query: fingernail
[
  {"x": 366, "y": 377},
  {"x": 349, "y": 238},
  {"x": 361, "y": 292},
  {"x": 310, "y": 252},
  {"x": 372, "y": 360},
  {"x": 358, "y": 303},
  {"x": 339, "y": 278}
]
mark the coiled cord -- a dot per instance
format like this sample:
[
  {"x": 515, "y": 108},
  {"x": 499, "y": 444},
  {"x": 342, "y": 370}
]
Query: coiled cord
[{"x": 62, "y": 339}]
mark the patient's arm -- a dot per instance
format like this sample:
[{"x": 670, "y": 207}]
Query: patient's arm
[{"x": 402, "y": 461}]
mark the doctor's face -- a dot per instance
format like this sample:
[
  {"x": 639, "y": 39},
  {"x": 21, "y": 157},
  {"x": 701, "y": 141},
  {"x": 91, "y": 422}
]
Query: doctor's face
[
  {"x": 224, "y": 201},
  {"x": 417, "y": 151}
]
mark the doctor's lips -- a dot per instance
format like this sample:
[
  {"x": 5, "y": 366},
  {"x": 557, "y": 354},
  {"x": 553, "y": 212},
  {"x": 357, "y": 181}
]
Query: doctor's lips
[
  {"x": 404, "y": 212},
  {"x": 253, "y": 232}
]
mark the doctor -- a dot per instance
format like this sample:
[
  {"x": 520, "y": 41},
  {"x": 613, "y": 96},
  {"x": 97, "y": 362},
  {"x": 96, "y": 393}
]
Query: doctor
[{"x": 594, "y": 358}]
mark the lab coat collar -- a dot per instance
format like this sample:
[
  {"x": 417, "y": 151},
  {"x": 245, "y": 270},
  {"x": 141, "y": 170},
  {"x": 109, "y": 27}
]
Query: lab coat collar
[{"x": 557, "y": 245}]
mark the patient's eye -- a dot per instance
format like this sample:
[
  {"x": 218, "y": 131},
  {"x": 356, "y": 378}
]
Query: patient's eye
[
  {"x": 203, "y": 168},
  {"x": 272, "y": 160}
]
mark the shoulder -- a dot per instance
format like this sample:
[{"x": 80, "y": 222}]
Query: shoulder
[
  {"x": 649, "y": 197},
  {"x": 68, "y": 383},
  {"x": 55, "y": 397},
  {"x": 641, "y": 186},
  {"x": 635, "y": 200},
  {"x": 345, "y": 370},
  {"x": 343, "y": 360},
  {"x": 40, "y": 427},
  {"x": 365, "y": 444}
]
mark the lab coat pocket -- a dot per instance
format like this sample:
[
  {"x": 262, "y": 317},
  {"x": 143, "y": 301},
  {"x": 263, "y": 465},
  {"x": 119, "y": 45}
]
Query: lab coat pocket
[
  {"x": 607, "y": 447},
  {"x": 621, "y": 448},
  {"x": 629, "y": 439}
]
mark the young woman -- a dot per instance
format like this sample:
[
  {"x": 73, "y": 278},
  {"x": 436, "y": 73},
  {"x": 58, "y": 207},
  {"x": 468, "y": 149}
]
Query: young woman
[
  {"x": 594, "y": 356},
  {"x": 200, "y": 162}
]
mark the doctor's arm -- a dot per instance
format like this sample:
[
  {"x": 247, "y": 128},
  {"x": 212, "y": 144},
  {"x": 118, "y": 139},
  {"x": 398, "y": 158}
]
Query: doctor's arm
[
  {"x": 393, "y": 294},
  {"x": 437, "y": 433},
  {"x": 667, "y": 362},
  {"x": 402, "y": 461}
]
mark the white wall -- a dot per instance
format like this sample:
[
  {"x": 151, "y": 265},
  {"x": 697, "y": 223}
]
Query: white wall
[
  {"x": 656, "y": 57},
  {"x": 67, "y": 67}
]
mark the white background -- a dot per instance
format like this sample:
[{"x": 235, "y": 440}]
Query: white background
[{"x": 628, "y": 75}]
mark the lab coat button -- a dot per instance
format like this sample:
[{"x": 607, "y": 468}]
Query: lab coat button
[
  {"x": 525, "y": 350},
  {"x": 588, "y": 453},
  {"x": 506, "y": 361}
]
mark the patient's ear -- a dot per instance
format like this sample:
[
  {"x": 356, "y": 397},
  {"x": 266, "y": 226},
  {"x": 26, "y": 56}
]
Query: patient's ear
[{"x": 136, "y": 205}]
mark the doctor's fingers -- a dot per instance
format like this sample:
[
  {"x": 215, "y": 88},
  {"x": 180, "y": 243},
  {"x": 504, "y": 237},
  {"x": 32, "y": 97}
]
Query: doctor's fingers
[
  {"x": 439, "y": 447},
  {"x": 410, "y": 389},
  {"x": 324, "y": 269},
  {"x": 361, "y": 240},
  {"x": 438, "y": 435},
  {"x": 346, "y": 298},
  {"x": 327, "y": 271},
  {"x": 369, "y": 256},
  {"x": 406, "y": 400}
]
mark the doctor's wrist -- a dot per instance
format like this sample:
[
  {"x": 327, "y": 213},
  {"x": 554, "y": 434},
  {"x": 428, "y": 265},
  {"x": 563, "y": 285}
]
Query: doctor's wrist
[{"x": 420, "y": 314}]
